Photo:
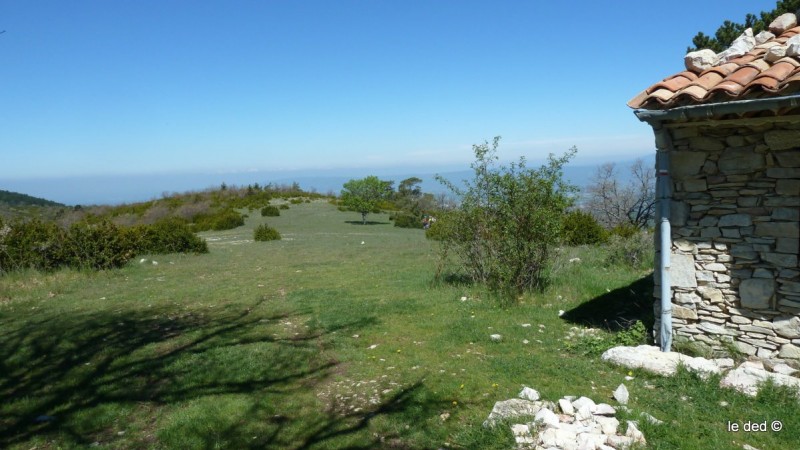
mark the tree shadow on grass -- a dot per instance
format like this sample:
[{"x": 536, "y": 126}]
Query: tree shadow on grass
[
  {"x": 369, "y": 222},
  {"x": 159, "y": 366},
  {"x": 618, "y": 309}
]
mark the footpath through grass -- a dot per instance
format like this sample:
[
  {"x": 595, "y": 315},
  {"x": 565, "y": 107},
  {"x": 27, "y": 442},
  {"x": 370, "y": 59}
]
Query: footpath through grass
[{"x": 334, "y": 337}]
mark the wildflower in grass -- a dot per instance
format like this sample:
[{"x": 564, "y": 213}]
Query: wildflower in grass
[
  {"x": 398, "y": 350},
  {"x": 462, "y": 387},
  {"x": 455, "y": 403},
  {"x": 494, "y": 385}
]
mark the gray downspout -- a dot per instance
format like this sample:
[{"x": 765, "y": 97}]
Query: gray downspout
[{"x": 664, "y": 197}]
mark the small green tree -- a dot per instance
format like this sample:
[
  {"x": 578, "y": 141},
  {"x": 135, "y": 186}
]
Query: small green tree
[
  {"x": 364, "y": 195},
  {"x": 508, "y": 220}
]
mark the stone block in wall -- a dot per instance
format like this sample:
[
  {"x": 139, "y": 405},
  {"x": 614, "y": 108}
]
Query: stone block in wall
[
  {"x": 682, "y": 312},
  {"x": 730, "y": 232},
  {"x": 735, "y": 220},
  {"x": 787, "y": 326},
  {"x": 682, "y": 271},
  {"x": 678, "y": 213},
  {"x": 743, "y": 251},
  {"x": 786, "y": 213},
  {"x": 710, "y": 232},
  {"x": 745, "y": 348},
  {"x": 683, "y": 164},
  {"x": 788, "y": 159},
  {"x": 740, "y": 320},
  {"x": 694, "y": 185},
  {"x": 789, "y": 351},
  {"x": 788, "y": 245},
  {"x": 782, "y": 172},
  {"x": 778, "y": 229},
  {"x": 782, "y": 139},
  {"x": 756, "y": 293},
  {"x": 789, "y": 273},
  {"x": 763, "y": 273},
  {"x": 746, "y": 202},
  {"x": 782, "y": 201},
  {"x": 790, "y": 287},
  {"x": 706, "y": 143},
  {"x": 787, "y": 187},
  {"x": 716, "y": 329},
  {"x": 786, "y": 304},
  {"x": 741, "y": 161},
  {"x": 711, "y": 294},
  {"x": 709, "y": 221},
  {"x": 780, "y": 259}
]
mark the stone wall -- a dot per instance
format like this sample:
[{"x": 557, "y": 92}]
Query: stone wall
[{"x": 735, "y": 220}]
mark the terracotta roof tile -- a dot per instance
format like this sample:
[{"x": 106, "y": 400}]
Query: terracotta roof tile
[{"x": 746, "y": 76}]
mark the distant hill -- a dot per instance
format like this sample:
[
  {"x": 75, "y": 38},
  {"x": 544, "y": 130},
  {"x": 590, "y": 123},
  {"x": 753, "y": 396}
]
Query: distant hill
[{"x": 16, "y": 199}]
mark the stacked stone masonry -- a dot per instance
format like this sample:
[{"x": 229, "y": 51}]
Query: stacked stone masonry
[{"x": 735, "y": 216}]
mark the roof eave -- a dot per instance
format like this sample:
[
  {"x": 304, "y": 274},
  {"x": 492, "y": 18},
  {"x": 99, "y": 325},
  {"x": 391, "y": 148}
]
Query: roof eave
[{"x": 713, "y": 110}]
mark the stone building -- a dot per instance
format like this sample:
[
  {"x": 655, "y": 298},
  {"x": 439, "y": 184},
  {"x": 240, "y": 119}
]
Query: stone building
[{"x": 727, "y": 135}]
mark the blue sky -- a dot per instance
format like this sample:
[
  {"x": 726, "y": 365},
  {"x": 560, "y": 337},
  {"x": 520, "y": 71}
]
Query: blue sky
[{"x": 90, "y": 88}]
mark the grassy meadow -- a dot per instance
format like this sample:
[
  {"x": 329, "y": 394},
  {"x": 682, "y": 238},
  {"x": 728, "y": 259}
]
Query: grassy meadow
[{"x": 336, "y": 336}]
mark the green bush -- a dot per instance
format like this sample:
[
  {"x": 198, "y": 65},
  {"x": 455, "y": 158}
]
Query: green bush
[
  {"x": 296, "y": 201},
  {"x": 225, "y": 219},
  {"x": 32, "y": 244},
  {"x": 637, "y": 251},
  {"x": 593, "y": 342},
  {"x": 167, "y": 236},
  {"x": 508, "y": 221},
  {"x": 283, "y": 206},
  {"x": 406, "y": 220},
  {"x": 265, "y": 232},
  {"x": 625, "y": 231},
  {"x": 270, "y": 211},
  {"x": 98, "y": 246},
  {"x": 581, "y": 228}
]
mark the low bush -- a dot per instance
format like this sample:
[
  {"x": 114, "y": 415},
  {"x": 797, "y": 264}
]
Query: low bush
[
  {"x": 90, "y": 245},
  {"x": 167, "y": 236},
  {"x": 98, "y": 246},
  {"x": 406, "y": 220},
  {"x": 270, "y": 211},
  {"x": 283, "y": 206},
  {"x": 594, "y": 342},
  {"x": 32, "y": 244},
  {"x": 637, "y": 251},
  {"x": 296, "y": 201},
  {"x": 265, "y": 232},
  {"x": 581, "y": 228},
  {"x": 225, "y": 219}
]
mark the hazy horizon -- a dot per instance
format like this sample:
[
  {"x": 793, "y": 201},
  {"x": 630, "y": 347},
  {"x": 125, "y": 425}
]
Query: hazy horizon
[{"x": 118, "y": 189}]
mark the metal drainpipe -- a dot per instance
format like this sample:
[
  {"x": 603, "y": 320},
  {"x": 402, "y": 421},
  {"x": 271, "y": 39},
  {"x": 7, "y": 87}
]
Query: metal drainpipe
[{"x": 664, "y": 188}]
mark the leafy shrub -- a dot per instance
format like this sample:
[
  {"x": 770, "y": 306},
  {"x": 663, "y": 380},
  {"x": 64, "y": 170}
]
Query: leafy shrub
[
  {"x": 406, "y": 220},
  {"x": 581, "y": 228},
  {"x": 265, "y": 232},
  {"x": 625, "y": 231},
  {"x": 637, "y": 251},
  {"x": 97, "y": 246},
  {"x": 508, "y": 221},
  {"x": 33, "y": 244},
  {"x": 283, "y": 206},
  {"x": 225, "y": 219},
  {"x": 167, "y": 236},
  {"x": 270, "y": 211},
  {"x": 296, "y": 201}
]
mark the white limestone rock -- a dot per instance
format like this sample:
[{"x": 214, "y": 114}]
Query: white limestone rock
[
  {"x": 529, "y": 394},
  {"x": 783, "y": 23},
  {"x": 793, "y": 46},
  {"x": 764, "y": 36},
  {"x": 700, "y": 60},
  {"x": 748, "y": 377},
  {"x": 547, "y": 418},
  {"x": 512, "y": 408},
  {"x": 566, "y": 406},
  {"x": 741, "y": 45},
  {"x": 775, "y": 53},
  {"x": 604, "y": 409},
  {"x": 621, "y": 394}
]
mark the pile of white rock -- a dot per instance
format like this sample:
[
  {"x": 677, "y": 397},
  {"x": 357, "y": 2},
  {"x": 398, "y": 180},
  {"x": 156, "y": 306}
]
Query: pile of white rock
[{"x": 571, "y": 424}]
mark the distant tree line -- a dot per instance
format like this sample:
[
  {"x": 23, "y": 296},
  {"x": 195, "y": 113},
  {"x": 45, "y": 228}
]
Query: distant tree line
[{"x": 729, "y": 31}]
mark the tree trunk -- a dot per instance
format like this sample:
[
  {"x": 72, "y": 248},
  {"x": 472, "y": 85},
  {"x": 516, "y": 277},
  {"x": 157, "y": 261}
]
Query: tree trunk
[{"x": 363, "y": 218}]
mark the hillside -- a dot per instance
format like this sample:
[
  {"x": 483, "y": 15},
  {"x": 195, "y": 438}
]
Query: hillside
[{"x": 16, "y": 199}]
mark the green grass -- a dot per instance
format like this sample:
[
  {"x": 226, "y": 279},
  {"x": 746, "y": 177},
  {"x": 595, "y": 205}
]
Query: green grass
[{"x": 267, "y": 345}]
